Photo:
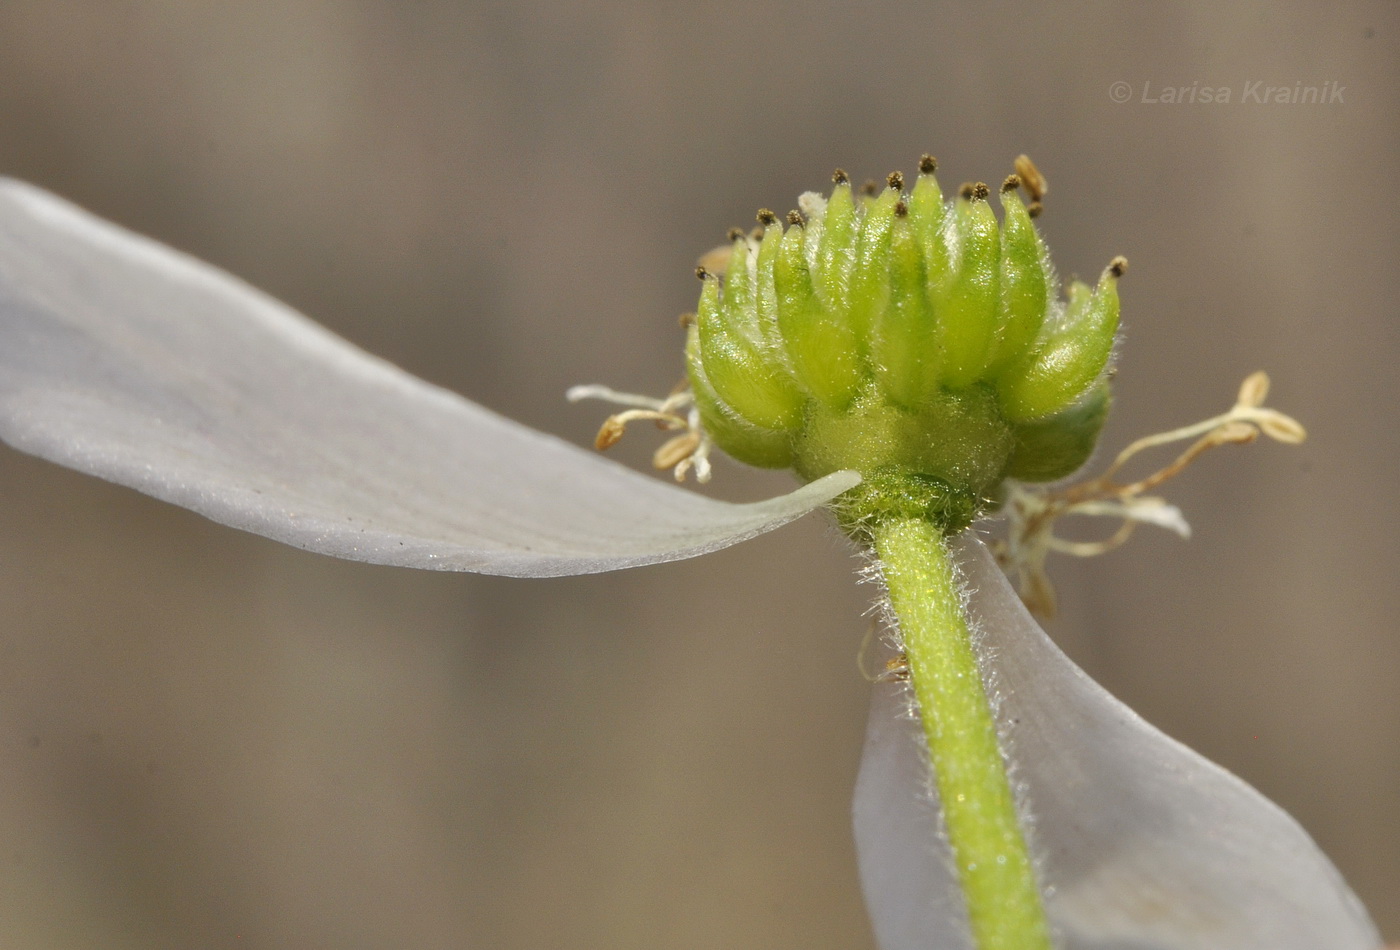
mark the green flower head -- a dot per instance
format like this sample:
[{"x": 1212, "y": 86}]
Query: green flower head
[{"x": 913, "y": 339}]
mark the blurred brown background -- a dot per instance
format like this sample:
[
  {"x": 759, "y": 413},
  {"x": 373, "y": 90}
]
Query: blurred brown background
[{"x": 212, "y": 741}]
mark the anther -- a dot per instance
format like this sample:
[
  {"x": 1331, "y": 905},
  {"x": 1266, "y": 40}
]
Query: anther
[
  {"x": 766, "y": 217},
  {"x": 1233, "y": 433},
  {"x": 1011, "y": 184},
  {"x": 795, "y": 218},
  {"x": 928, "y": 164},
  {"x": 734, "y": 234},
  {"x": 895, "y": 180},
  {"x": 1254, "y": 390},
  {"x": 609, "y": 434},
  {"x": 900, "y": 209},
  {"x": 840, "y": 177},
  {"x": 676, "y": 450},
  {"x": 1031, "y": 177},
  {"x": 1117, "y": 266},
  {"x": 896, "y": 669},
  {"x": 1283, "y": 428}
]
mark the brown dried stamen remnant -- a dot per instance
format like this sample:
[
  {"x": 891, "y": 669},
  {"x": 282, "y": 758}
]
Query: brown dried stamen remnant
[
  {"x": 1033, "y": 512},
  {"x": 1033, "y": 181}
]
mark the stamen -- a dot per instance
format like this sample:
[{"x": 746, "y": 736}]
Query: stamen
[
  {"x": 1031, "y": 178},
  {"x": 617, "y": 398},
  {"x": 1093, "y": 548},
  {"x": 609, "y": 433},
  {"x": 676, "y": 450},
  {"x": 895, "y": 669},
  {"x": 698, "y": 460},
  {"x": 689, "y": 451},
  {"x": 1281, "y": 428},
  {"x": 1033, "y": 512},
  {"x": 1253, "y": 390}
]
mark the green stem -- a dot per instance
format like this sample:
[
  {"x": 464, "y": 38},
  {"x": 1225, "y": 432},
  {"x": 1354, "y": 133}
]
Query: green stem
[{"x": 979, "y": 811}]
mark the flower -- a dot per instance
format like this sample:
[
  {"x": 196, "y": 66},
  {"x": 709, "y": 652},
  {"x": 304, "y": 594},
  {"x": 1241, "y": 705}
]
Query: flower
[{"x": 132, "y": 362}]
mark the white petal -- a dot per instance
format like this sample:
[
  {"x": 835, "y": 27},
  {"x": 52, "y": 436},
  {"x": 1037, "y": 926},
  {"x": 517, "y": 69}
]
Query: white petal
[
  {"x": 905, "y": 869},
  {"x": 1142, "y": 843},
  {"x": 124, "y": 359}
]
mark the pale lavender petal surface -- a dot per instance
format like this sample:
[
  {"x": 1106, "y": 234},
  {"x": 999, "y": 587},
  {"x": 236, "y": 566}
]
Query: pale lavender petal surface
[
  {"x": 1143, "y": 844},
  {"x": 124, "y": 359}
]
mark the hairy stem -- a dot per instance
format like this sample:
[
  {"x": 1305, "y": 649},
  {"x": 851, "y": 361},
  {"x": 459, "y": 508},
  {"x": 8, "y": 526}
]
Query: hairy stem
[{"x": 994, "y": 867}]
